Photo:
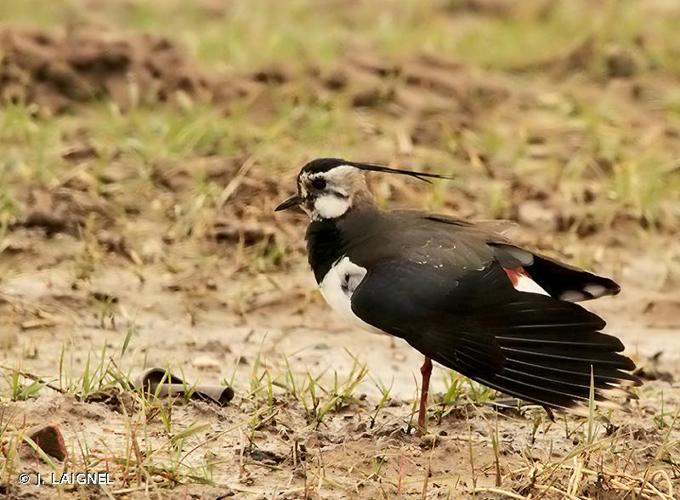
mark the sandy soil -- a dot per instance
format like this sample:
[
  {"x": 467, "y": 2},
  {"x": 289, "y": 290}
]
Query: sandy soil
[{"x": 231, "y": 321}]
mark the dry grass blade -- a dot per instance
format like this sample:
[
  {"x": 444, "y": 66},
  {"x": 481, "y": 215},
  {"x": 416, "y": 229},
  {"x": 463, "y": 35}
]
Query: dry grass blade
[{"x": 234, "y": 184}]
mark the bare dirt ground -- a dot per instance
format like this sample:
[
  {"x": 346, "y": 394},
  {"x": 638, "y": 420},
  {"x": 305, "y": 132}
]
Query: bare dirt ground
[
  {"x": 363, "y": 447},
  {"x": 138, "y": 185}
]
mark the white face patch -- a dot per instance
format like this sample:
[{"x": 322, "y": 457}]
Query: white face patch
[
  {"x": 329, "y": 206},
  {"x": 338, "y": 286},
  {"x": 335, "y": 199}
]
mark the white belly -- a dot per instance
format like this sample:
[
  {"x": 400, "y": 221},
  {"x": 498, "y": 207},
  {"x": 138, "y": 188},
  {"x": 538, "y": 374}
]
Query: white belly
[{"x": 338, "y": 286}]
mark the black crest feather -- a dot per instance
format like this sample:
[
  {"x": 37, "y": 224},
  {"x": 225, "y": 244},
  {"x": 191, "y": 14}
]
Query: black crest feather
[
  {"x": 421, "y": 176},
  {"x": 325, "y": 164}
]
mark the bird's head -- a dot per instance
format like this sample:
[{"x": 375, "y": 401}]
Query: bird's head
[{"x": 327, "y": 188}]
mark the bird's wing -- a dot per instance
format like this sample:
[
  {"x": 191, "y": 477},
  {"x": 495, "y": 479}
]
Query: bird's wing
[
  {"x": 497, "y": 229},
  {"x": 474, "y": 321},
  {"x": 558, "y": 279}
]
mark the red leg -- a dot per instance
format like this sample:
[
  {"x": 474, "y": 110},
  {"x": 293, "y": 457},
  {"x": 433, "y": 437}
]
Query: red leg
[{"x": 425, "y": 371}]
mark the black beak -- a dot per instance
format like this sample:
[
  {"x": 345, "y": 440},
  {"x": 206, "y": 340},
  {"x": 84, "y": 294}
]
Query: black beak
[{"x": 291, "y": 202}]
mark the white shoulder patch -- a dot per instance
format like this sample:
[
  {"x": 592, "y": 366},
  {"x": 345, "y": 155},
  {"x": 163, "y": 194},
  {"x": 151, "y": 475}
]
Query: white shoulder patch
[{"x": 338, "y": 286}]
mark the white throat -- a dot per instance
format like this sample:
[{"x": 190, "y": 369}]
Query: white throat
[{"x": 329, "y": 206}]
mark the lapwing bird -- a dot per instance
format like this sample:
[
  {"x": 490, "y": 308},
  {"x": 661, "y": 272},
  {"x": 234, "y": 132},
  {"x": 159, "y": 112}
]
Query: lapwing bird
[{"x": 460, "y": 293}]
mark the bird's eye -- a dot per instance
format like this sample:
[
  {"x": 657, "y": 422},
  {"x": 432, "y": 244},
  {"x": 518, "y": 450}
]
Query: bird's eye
[{"x": 319, "y": 183}]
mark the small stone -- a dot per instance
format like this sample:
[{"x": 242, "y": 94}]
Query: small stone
[{"x": 50, "y": 440}]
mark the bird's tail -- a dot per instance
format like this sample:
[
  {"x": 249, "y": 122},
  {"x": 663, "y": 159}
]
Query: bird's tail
[
  {"x": 541, "y": 350},
  {"x": 558, "y": 279}
]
